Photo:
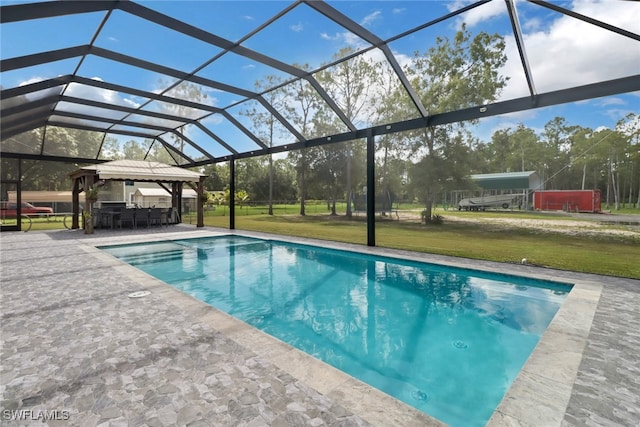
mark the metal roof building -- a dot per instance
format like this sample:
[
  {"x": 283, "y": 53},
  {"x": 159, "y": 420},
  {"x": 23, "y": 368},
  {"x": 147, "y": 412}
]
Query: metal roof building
[{"x": 529, "y": 180}]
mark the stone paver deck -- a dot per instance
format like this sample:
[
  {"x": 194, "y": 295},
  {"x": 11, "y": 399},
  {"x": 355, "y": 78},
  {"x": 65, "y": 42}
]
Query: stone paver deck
[{"x": 73, "y": 341}]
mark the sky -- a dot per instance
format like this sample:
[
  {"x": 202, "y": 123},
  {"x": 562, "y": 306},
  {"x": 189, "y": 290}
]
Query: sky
[{"x": 562, "y": 51}]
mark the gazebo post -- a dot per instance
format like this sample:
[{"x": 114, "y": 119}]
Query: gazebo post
[
  {"x": 75, "y": 199},
  {"x": 174, "y": 199},
  {"x": 87, "y": 215},
  {"x": 179, "y": 198}
]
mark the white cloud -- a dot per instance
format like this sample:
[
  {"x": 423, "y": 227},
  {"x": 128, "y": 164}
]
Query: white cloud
[
  {"x": 326, "y": 36},
  {"x": 616, "y": 114},
  {"x": 479, "y": 14},
  {"x": 131, "y": 103},
  {"x": 297, "y": 27},
  {"x": 486, "y": 127},
  {"x": 623, "y": 14},
  {"x": 533, "y": 24},
  {"x": 611, "y": 101},
  {"x": 573, "y": 53},
  {"x": 30, "y": 81},
  {"x": 213, "y": 120},
  {"x": 346, "y": 37},
  {"x": 371, "y": 18},
  {"x": 565, "y": 52},
  {"x": 94, "y": 93},
  {"x": 354, "y": 41}
]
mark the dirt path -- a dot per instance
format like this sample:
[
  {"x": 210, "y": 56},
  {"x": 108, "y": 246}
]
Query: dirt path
[{"x": 574, "y": 227}]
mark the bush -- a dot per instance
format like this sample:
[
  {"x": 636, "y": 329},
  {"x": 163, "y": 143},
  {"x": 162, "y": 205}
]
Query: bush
[{"x": 436, "y": 219}]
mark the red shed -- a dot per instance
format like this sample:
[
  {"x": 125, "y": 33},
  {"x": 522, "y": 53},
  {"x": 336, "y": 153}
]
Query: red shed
[{"x": 567, "y": 200}]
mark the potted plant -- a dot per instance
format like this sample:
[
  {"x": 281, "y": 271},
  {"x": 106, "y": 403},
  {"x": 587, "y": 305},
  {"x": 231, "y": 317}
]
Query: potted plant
[
  {"x": 92, "y": 194},
  {"x": 205, "y": 198}
]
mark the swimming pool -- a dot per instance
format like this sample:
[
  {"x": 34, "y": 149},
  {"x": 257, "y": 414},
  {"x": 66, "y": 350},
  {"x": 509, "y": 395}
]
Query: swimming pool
[{"x": 446, "y": 341}]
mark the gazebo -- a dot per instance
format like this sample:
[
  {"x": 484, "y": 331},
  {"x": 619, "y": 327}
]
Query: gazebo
[{"x": 87, "y": 177}]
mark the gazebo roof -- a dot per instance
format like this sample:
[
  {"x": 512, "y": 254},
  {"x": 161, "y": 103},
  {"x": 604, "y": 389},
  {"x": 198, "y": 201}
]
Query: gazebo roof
[
  {"x": 187, "y": 193},
  {"x": 139, "y": 170}
]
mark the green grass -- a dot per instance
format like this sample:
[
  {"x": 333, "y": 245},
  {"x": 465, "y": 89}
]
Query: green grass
[
  {"x": 626, "y": 210},
  {"x": 311, "y": 208},
  {"x": 53, "y": 223},
  {"x": 544, "y": 249}
]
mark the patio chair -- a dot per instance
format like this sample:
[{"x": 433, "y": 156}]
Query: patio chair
[
  {"x": 174, "y": 216},
  {"x": 170, "y": 216},
  {"x": 127, "y": 217},
  {"x": 142, "y": 217},
  {"x": 155, "y": 216}
]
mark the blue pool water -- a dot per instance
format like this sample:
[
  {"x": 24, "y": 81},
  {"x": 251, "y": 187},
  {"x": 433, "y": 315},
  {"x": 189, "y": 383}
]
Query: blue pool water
[{"x": 446, "y": 341}]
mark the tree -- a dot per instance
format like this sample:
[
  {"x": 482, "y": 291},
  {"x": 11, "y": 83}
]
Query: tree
[
  {"x": 159, "y": 153},
  {"x": 217, "y": 176},
  {"x": 326, "y": 175},
  {"x": 349, "y": 84},
  {"x": 583, "y": 154},
  {"x": 264, "y": 124},
  {"x": 629, "y": 127},
  {"x": 391, "y": 148},
  {"x": 305, "y": 102},
  {"x": 453, "y": 74},
  {"x": 557, "y": 140},
  {"x": 253, "y": 175},
  {"x": 187, "y": 91},
  {"x": 526, "y": 149},
  {"x": 445, "y": 170},
  {"x": 617, "y": 150},
  {"x": 45, "y": 175},
  {"x": 500, "y": 149},
  {"x": 132, "y": 150}
]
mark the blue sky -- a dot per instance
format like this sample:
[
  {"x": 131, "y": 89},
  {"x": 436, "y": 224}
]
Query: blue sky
[{"x": 562, "y": 51}]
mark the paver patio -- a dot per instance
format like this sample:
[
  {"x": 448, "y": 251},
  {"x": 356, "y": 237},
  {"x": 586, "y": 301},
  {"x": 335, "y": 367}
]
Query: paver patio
[{"x": 73, "y": 341}]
